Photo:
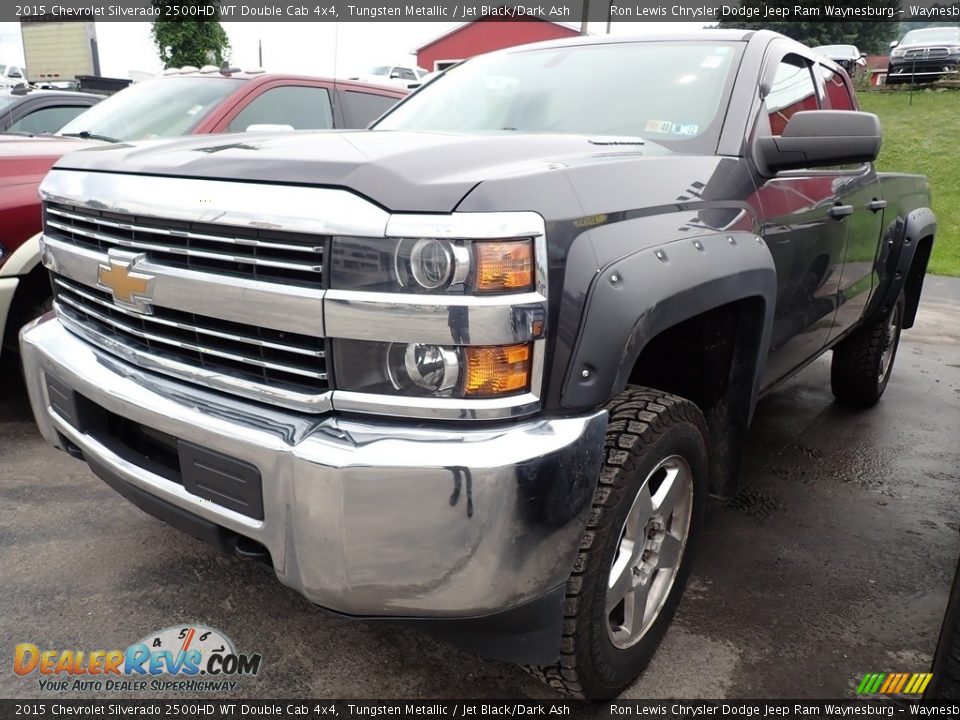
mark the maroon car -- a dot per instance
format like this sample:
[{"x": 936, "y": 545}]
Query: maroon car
[{"x": 189, "y": 103}]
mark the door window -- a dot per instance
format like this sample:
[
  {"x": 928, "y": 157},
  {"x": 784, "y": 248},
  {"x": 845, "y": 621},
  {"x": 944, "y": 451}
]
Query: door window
[
  {"x": 838, "y": 95},
  {"x": 793, "y": 90},
  {"x": 301, "y": 107},
  {"x": 367, "y": 107},
  {"x": 47, "y": 120}
]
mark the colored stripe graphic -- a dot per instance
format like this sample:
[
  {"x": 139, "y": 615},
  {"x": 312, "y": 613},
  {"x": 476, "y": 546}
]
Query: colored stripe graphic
[
  {"x": 903, "y": 681},
  {"x": 894, "y": 683}
]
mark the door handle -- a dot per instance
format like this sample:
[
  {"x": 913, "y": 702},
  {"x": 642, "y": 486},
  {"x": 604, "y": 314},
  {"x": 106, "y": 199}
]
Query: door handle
[
  {"x": 876, "y": 205},
  {"x": 841, "y": 211}
]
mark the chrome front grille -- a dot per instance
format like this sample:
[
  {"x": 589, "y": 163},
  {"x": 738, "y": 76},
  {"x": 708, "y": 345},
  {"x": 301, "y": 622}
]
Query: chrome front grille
[
  {"x": 272, "y": 365},
  {"x": 248, "y": 252},
  {"x": 935, "y": 53}
]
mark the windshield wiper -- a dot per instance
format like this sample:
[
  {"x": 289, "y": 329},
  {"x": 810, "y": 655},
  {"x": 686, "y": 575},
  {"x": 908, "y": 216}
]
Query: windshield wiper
[
  {"x": 20, "y": 133},
  {"x": 87, "y": 135},
  {"x": 617, "y": 140}
]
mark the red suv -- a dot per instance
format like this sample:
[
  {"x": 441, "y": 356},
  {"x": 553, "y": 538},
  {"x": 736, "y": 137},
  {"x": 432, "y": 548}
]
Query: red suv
[{"x": 177, "y": 104}]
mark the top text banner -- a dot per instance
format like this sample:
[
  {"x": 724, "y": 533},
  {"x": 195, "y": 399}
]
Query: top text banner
[{"x": 459, "y": 11}]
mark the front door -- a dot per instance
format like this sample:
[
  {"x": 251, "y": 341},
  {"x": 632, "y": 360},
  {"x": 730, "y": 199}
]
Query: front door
[{"x": 805, "y": 227}]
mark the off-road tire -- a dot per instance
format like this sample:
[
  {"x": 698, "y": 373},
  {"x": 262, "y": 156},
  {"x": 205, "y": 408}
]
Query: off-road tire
[
  {"x": 645, "y": 426},
  {"x": 855, "y": 371}
]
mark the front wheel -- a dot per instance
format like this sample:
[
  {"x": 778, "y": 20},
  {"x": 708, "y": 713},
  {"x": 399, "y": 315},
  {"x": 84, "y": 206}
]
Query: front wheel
[
  {"x": 635, "y": 555},
  {"x": 862, "y": 363}
]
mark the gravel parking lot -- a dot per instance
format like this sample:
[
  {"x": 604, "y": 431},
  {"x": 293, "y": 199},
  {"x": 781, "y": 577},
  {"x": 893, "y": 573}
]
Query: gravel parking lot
[{"x": 834, "y": 561}]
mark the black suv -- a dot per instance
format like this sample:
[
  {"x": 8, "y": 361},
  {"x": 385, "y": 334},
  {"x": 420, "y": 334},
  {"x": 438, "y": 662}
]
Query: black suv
[{"x": 924, "y": 55}]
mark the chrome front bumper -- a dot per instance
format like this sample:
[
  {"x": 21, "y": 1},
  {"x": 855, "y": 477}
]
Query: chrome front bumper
[{"x": 362, "y": 517}]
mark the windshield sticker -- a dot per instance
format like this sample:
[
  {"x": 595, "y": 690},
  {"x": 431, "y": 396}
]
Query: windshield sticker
[
  {"x": 659, "y": 126},
  {"x": 671, "y": 128}
]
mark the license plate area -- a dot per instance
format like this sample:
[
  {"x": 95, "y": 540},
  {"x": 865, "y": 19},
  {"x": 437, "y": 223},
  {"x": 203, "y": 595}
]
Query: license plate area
[{"x": 224, "y": 480}]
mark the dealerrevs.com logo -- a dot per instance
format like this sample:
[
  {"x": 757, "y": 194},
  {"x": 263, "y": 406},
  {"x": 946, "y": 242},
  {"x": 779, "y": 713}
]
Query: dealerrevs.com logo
[{"x": 181, "y": 657}]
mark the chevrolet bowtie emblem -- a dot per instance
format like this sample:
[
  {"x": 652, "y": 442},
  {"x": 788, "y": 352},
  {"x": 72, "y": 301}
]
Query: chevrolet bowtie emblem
[{"x": 129, "y": 288}]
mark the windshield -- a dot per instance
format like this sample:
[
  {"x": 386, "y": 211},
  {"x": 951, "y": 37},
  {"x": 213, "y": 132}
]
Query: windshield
[
  {"x": 837, "y": 50},
  {"x": 379, "y": 70},
  {"x": 3, "y": 69},
  {"x": 930, "y": 35},
  {"x": 160, "y": 108},
  {"x": 672, "y": 93}
]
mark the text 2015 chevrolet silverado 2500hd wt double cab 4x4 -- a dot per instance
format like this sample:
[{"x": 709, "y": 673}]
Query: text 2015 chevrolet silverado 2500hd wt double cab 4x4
[{"x": 481, "y": 365}]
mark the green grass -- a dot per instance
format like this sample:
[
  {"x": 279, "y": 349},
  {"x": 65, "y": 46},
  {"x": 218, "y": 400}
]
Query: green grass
[{"x": 924, "y": 139}]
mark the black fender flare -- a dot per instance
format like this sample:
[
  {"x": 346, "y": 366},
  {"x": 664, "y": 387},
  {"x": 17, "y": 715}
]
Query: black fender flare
[
  {"x": 895, "y": 265},
  {"x": 636, "y": 297}
]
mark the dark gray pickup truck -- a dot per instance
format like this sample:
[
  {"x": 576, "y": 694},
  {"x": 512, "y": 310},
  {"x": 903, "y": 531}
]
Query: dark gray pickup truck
[{"x": 480, "y": 366}]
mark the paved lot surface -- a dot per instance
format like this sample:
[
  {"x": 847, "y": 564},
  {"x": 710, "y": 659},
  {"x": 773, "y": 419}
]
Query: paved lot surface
[{"x": 835, "y": 560}]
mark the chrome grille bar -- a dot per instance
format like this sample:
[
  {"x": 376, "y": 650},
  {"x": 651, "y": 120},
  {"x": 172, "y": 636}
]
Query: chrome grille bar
[
  {"x": 186, "y": 326},
  {"x": 185, "y": 251},
  {"x": 249, "y": 242},
  {"x": 188, "y": 346},
  {"x": 282, "y": 367},
  {"x": 256, "y": 251}
]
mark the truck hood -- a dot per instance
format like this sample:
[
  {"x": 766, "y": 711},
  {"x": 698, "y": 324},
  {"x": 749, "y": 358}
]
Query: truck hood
[
  {"x": 401, "y": 171},
  {"x": 27, "y": 159}
]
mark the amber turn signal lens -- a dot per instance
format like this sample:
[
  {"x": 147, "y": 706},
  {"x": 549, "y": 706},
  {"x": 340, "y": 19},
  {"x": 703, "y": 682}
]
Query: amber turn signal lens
[
  {"x": 503, "y": 266},
  {"x": 497, "y": 370}
]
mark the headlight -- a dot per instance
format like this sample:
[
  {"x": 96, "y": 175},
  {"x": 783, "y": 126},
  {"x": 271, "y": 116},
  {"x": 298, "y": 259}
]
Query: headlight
[
  {"x": 431, "y": 368},
  {"x": 954, "y": 51},
  {"x": 432, "y": 265},
  {"x": 440, "y": 371},
  {"x": 898, "y": 52}
]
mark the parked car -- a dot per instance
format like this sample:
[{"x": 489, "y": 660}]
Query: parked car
[
  {"x": 394, "y": 75},
  {"x": 924, "y": 55},
  {"x": 11, "y": 75},
  {"x": 481, "y": 365},
  {"x": 190, "y": 103},
  {"x": 848, "y": 57},
  {"x": 36, "y": 112}
]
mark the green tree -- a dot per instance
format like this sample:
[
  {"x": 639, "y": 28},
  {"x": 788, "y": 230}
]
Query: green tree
[
  {"x": 870, "y": 35},
  {"x": 190, "y": 38}
]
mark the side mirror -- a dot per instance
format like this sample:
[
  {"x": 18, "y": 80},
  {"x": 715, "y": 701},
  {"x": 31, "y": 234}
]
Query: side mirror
[
  {"x": 269, "y": 127},
  {"x": 818, "y": 138},
  {"x": 863, "y": 54},
  {"x": 894, "y": 43}
]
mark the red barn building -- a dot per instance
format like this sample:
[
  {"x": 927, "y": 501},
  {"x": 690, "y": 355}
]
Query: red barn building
[{"x": 485, "y": 35}]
